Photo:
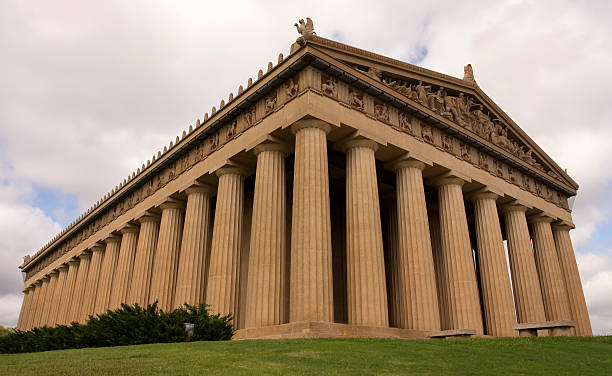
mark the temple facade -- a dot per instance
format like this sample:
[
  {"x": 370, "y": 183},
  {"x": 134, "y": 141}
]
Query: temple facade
[{"x": 341, "y": 193}]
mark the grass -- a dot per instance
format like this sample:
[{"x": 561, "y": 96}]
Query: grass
[{"x": 519, "y": 356}]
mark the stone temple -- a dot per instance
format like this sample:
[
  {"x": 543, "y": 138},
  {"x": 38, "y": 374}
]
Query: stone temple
[{"x": 340, "y": 194}]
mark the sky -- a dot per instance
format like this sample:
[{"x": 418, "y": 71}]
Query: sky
[{"x": 90, "y": 90}]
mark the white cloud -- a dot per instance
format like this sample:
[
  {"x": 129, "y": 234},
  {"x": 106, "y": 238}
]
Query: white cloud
[{"x": 102, "y": 86}]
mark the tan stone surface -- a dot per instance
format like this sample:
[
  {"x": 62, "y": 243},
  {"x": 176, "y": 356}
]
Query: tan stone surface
[
  {"x": 322, "y": 329},
  {"x": 569, "y": 269},
  {"x": 418, "y": 279},
  {"x": 46, "y": 317},
  {"x": 143, "y": 260},
  {"x": 436, "y": 248},
  {"x": 495, "y": 287},
  {"x": 192, "y": 268},
  {"x": 57, "y": 295},
  {"x": 462, "y": 299},
  {"x": 24, "y": 308},
  {"x": 525, "y": 282},
  {"x": 34, "y": 307},
  {"x": 64, "y": 317},
  {"x": 93, "y": 278},
  {"x": 43, "y": 299},
  {"x": 395, "y": 291},
  {"x": 366, "y": 285},
  {"x": 265, "y": 303},
  {"x": 224, "y": 272},
  {"x": 125, "y": 265},
  {"x": 79, "y": 288},
  {"x": 165, "y": 264},
  {"x": 311, "y": 293},
  {"x": 107, "y": 273},
  {"x": 552, "y": 282}
]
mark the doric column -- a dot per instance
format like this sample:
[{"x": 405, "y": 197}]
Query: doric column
[
  {"x": 265, "y": 303},
  {"x": 68, "y": 292},
  {"x": 366, "y": 285},
  {"x": 24, "y": 308},
  {"x": 311, "y": 288},
  {"x": 436, "y": 250},
  {"x": 107, "y": 273},
  {"x": 46, "y": 316},
  {"x": 191, "y": 277},
  {"x": 42, "y": 302},
  {"x": 93, "y": 278},
  {"x": 79, "y": 286},
  {"x": 395, "y": 291},
  {"x": 143, "y": 262},
  {"x": 223, "y": 277},
  {"x": 415, "y": 261},
  {"x": 573, "y": 285},
  {"x": 497, "y": 302},
  {"x": 463, "y": 303},
  {"x": 165, "y": 263},
  {"x": 57, "y": 295},
  {"x": 35, "y": 305},
  {"x": 125, "y": 265},
  {"x": 552, "y": 283},
  {"x": 525, "y": 281}
]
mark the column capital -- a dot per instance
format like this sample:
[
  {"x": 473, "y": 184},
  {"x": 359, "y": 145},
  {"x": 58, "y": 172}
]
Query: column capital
[
  {"x": 64, "y": 266},
  {"x": 563, "y": 226},
  {"x": 271, "y": 146},
  {"x": 172, "y": 203},
  {"x": 74, "y": 261},
  {"x": 346, "y": 144},
  {"x": 38, "y": 283},
  {"x": 310, "y": 123},
  {"x": 514, "y": 206},
  {"x": 129, "y": 228},
  {"x": 484, "y": 193},
  {"x": 112, "y": 238},
  {"x": 97, "y": 246},
  {"x": 85, "y": 254},
  {"x": 232, "y": 169},
  {"x": 198, "y": 187},
  {"x": 46, "y": 277},
  {"x": 53, "y": 272},
  {"x": 541, "y": 217},
  {"x": 148, "y": 216},
  {"x": 450, "y": 178},
  {"x": 409, "y": 160}
]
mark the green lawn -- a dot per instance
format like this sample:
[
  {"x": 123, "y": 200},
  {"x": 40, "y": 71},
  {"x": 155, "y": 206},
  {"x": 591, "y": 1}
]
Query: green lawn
[{"x": 545, "y": 355}]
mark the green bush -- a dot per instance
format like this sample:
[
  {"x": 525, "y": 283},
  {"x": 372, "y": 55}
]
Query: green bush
[{"x": 128, "y": 325}]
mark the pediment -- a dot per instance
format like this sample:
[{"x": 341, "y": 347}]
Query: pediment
[{"x": 459, "y": 103}]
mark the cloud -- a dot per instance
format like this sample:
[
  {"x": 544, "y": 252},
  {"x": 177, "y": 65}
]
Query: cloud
[{"x": 92, "y": 90}]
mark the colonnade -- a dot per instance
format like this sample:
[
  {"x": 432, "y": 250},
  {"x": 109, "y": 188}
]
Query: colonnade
[{"x": 439, "y": 278}]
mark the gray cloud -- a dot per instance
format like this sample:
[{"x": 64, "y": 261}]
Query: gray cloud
[{"x": 92, "y": 90}]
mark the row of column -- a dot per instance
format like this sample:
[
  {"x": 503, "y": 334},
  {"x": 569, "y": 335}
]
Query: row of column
[{"x": 434, "y": 277}]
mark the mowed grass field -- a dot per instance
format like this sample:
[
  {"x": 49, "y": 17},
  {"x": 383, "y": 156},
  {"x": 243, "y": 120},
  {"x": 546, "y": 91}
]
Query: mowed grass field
[{"x": 518, "y": 356}]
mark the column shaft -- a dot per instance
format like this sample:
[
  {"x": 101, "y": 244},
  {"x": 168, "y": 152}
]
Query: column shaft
[
  {"x": 42, "y": 302},
  {"x": 143, "y": 261},
  {"x": 395, "y": 291},
  {"x": 79, "y": 287},
  {"x": 525, "y": 282},
  {"x": 191, "y": 277},
  {"x": 107, "y": 274},
  {"x": 265, "y": 304},
  {"x": 125, "y": 265},
  {"x": 415, "y": 261},
  {"x": 224, "y": 272},
  {"x": 436, "y": 248},
  {"x": 57, "y": 295},
  {"x": 165, "y": 263},
  {"x": 91, "y": 287},
  {"x": 569, "y": 269},
  {"x": 463, "y": 303},
  {"x": 46, "y": 318},
  {"x": 35, "y": 305},
  {"x": 367, "y": 296},
  {"x": 495, "y": 284},
  {"x": 552, "y": 283},
  {"x": 24, "y": 308},
  {"x": 68, "y": 292},
  {"x": 311, "y": 289}
]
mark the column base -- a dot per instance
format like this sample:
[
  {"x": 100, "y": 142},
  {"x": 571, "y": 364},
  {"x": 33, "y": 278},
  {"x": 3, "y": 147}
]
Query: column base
[{"x": 318, "y": 329}]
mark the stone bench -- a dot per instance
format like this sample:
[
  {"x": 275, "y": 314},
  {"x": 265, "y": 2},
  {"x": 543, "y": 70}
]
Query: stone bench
[
  {"x": 561, "y": 328},
  {"x": 451, "y": 333}
]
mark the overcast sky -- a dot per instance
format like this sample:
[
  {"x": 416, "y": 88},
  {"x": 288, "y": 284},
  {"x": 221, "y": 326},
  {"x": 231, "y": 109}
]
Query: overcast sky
[{"x": 90, "y": 90}]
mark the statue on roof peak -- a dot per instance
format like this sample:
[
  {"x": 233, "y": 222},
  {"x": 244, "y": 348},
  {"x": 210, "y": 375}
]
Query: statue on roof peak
[
  {"x": 468, "y": 73},
  {"x": 306, "y": 29}
]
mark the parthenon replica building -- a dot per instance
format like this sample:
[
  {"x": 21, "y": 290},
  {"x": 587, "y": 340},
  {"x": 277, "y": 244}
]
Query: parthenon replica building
[{"x": 341, "y": 193}]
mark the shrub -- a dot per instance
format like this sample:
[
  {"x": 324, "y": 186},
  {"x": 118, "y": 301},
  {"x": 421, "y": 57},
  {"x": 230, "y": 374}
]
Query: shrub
[{"x": 127, "y": 325}]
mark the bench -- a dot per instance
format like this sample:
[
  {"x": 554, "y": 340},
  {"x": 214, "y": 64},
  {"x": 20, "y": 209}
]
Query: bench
[
  {"x": 561, "y": 328},
  {"x": 451, "y": 333}
]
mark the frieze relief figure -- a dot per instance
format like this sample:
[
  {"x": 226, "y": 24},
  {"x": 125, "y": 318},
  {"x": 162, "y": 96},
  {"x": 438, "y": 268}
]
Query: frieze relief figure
[
  {"x": 405, "y": 122},
  {"x": 270, "y": 103},
  {"x": 329, "y": 86},
  {"x": 292, "y": 87},
  {"x": 427, "y": 134},
  {"x": 381, "y": 111},
  {"x": 356, "y": 99}
]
